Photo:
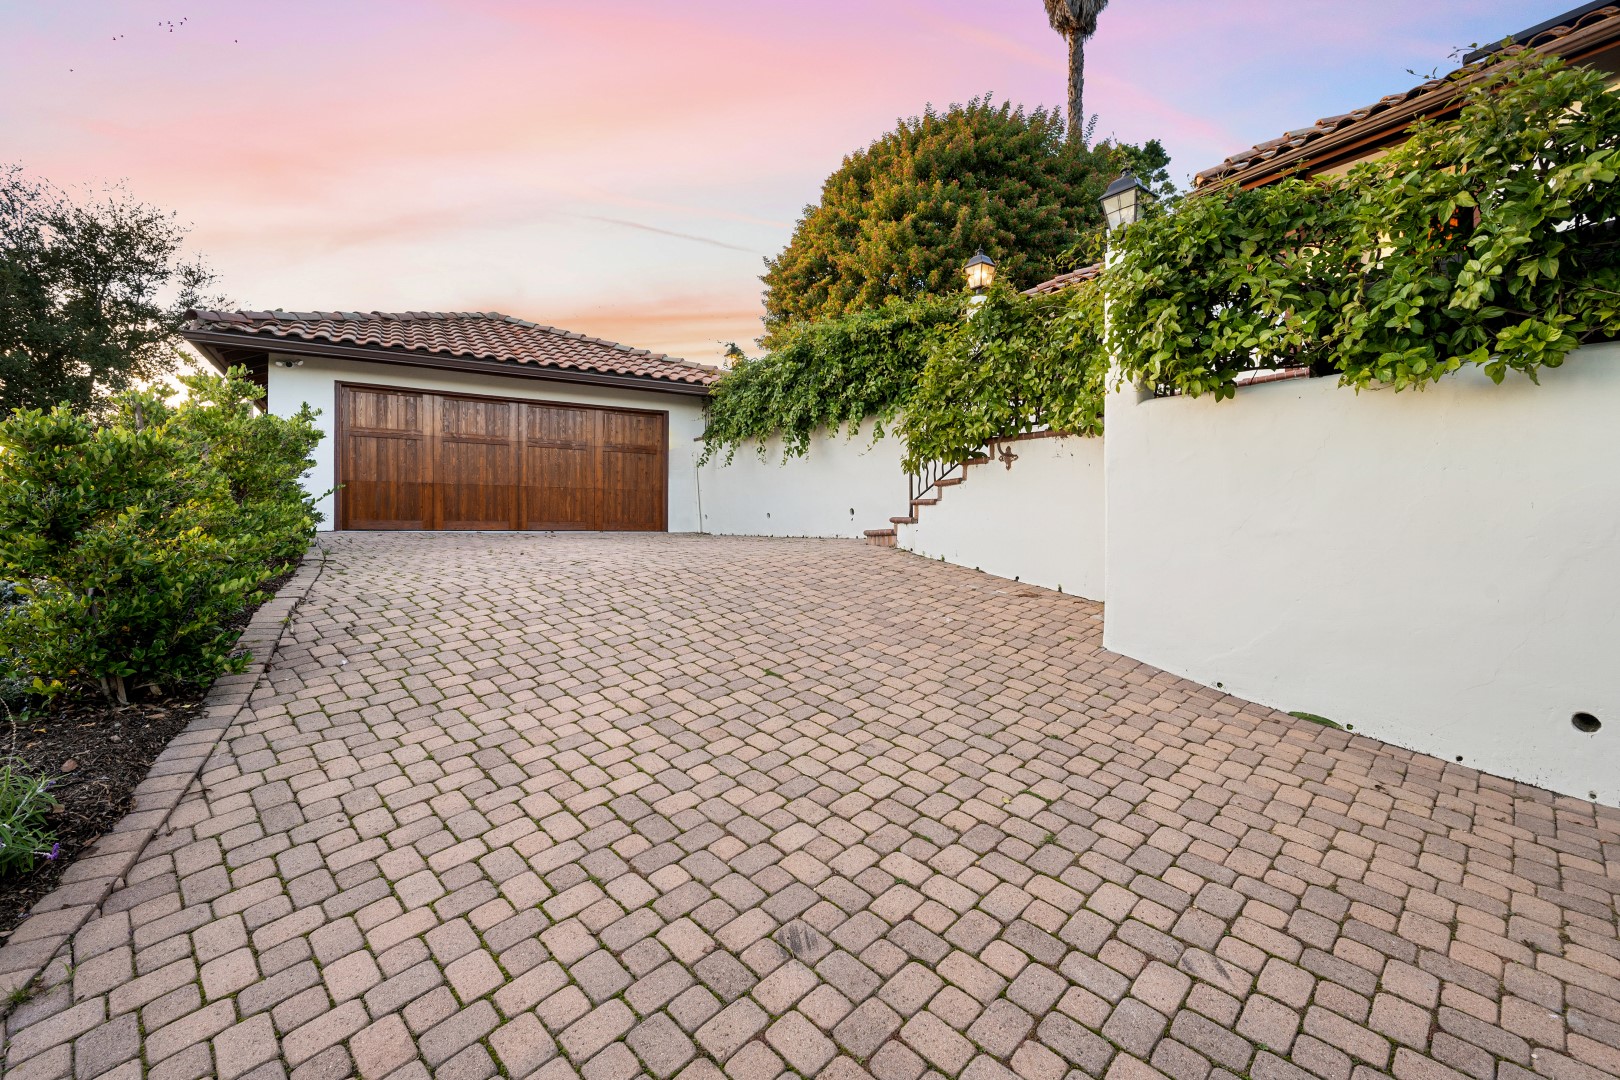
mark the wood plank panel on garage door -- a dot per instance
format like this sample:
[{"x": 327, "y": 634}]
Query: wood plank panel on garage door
[
  {"x": 475, "y": 464},
  {"x": 632, "y": 471},
  {"x": 418, "y": 460},
  {"x": 561, "y": 470},
  {"x": 384, "y": 459}
]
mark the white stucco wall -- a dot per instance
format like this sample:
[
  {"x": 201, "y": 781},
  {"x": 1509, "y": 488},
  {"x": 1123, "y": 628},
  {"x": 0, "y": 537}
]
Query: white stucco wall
[
  {"x": 1438, "y": 569},
  {"x": 314, "y": 382},
  {"x": 840, "y": 487},
  {"x": 1040, "y": 521}
]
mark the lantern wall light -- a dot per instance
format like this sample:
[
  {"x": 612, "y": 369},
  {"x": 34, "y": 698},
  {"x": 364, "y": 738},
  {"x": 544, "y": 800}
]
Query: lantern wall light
[
  {"x": 981, "y": 272},
  {"x": 1125, "y": 201}
]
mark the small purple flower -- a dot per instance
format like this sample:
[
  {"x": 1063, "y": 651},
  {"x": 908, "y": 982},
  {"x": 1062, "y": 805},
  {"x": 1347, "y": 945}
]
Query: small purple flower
[{"x": 55, "y": 853}]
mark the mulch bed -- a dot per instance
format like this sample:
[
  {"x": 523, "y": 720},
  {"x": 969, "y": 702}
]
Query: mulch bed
[{"x": 99, "y": 752}]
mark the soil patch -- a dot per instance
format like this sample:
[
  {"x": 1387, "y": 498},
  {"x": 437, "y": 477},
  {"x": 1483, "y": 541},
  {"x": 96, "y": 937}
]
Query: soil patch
[{"x": 98, "y": 753}]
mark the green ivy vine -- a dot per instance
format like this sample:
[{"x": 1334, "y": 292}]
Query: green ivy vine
[
  {"x": 955, "y": 373},
  {"x": 1017, "y": 364},
  {"x": 1486, "y": 239},
  {"x": 833, "y": 373}
]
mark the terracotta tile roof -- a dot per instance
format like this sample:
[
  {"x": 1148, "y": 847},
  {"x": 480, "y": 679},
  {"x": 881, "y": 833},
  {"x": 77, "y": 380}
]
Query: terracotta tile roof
[
  {"x": 1593, "y": 24},
  {"x": 1063, "y": 281},
  {"x": 477, "y": 335},
  {"x": 1294, "y": 140}
]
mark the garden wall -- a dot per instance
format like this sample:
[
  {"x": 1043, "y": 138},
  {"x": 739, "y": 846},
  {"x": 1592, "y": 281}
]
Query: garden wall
[
  {"x": 1040, "y": 521},
  {"x": 840, "y": 488},
  {"x": 1440, "y": 569}
]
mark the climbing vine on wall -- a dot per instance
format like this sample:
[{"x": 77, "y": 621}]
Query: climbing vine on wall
[
  {"x": 1486, "y": 240},
  {"x": 1020, "y": 363},
  {"x": 827, "y": 373},
  {"x": 956, "y": 375}
]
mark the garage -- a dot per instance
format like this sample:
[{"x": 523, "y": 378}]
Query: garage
[
  {"x": 418, "y": 459},
  {"x": 473, "y": 419}
]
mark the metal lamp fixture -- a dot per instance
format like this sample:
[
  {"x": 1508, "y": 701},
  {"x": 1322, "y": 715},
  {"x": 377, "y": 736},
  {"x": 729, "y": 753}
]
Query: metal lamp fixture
[
  {"x": 1125, "y": 200},
  {"x": 981, "y": 272}
]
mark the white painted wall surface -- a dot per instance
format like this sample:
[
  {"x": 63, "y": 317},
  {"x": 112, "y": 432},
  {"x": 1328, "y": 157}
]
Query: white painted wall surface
[
  {"x": 841, "y": 487},
  {"x": 314, "y": 382},
  {"x": 1041, "y": 521},
  {"x": 1439, "y": 569}
]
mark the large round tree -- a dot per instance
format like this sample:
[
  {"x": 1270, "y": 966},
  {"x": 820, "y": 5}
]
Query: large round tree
[
  {"x": 92, "y": 294},
  {"x": 899, "y": 218}
]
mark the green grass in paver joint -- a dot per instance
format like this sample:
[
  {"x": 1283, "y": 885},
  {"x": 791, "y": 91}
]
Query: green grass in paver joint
[{"x": 22, "y": 994}]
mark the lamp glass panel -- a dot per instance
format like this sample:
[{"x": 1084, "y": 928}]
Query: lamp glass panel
[{"x": 1120, "y": 208}]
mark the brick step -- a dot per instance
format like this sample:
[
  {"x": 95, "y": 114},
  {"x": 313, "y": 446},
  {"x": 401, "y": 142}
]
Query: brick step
[
  {"x": 880, "y": 537},
  {"x": 977, "y": 461},
  {"x": 924, "y": 502},
  {"x": 952, "y": 482},
  {"x": 903, "y": 521}
]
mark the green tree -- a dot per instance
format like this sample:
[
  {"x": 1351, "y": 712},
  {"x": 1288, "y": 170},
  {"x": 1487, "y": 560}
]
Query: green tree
[
  {"x": 92, "y": 293},
  {"x": 1076, "y": 20},
  {"x": 899, "y": 218}
]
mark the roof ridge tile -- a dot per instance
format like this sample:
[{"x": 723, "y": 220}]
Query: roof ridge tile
[{"x": 490, "y": 336}]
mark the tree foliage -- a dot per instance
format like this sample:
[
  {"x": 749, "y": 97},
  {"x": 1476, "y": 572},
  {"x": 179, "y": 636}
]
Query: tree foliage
[
  {"x": 92, "y": 294},
  {"x": 134, "y": 542},
  {"x": 1487, "y": 239},
  {"x": 898, "y": 219}
]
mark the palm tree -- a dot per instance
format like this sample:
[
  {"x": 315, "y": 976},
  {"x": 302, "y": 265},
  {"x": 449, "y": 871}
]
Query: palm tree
[{"x": 1076, "y": 20}]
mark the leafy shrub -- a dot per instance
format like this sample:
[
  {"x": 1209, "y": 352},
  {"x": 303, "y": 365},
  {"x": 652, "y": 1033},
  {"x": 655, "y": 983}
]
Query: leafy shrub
[
  {"x": 137, "y": 540},
  {"x": 262, "y": 459},
  {"x": 831, "y": 373},
  {"x": 1017, "y": 364},
  {"x": 1487, "y": 239},
  {"x": 25, "y": 837}
]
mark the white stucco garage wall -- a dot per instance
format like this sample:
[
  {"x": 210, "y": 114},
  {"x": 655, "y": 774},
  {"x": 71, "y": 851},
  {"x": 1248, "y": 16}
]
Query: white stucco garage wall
[
  {"x": 841, "y": 487},
  {"x": 315, "y": 381},
  {"x": 1439, "y": 569},
  {"x": 1040, "y": 521}
]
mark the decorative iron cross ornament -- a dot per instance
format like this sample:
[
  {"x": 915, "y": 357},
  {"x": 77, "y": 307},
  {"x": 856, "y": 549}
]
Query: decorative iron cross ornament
[{"x": 1007, "y": 456}]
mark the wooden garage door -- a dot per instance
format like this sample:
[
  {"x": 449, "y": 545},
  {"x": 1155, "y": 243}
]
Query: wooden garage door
[{"x": 410, "y": 459}]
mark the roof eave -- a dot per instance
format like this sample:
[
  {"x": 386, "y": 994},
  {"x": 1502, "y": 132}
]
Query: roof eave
[
  {"x": 1383, "y": 128},
  {"x": 207, "y": 340}
]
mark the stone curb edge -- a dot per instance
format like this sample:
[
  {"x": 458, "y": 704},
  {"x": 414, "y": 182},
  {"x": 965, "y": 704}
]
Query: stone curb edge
[{"x": 100, "y": 867}]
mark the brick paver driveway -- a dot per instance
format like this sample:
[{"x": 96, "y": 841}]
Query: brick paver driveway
[{"x": 624, "y": 805}]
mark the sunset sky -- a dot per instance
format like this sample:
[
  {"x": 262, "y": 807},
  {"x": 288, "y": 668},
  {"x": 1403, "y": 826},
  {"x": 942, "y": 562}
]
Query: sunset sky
[{"x": 619, "y": 168}]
